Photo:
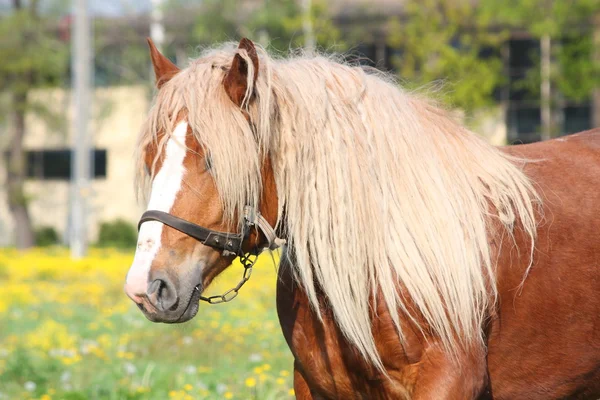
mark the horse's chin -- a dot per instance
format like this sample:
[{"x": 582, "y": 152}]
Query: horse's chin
[
  {"x": 192, "y": 308},
  {"x": 190, "y": 312}
]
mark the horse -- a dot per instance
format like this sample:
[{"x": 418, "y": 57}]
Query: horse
[{"x": 417, "y": 261}]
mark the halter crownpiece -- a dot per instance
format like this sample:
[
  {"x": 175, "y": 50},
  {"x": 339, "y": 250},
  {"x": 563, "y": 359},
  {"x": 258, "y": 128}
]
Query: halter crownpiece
[
  {"x": 255, "y": 218},
  {"x": 229, "y": 243}
]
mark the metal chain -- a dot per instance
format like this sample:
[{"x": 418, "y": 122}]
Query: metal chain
[{"x": 231, "y": 294}]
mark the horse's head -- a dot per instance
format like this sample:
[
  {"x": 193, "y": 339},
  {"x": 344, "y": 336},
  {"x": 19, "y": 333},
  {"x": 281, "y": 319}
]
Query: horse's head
[{"x": 185, "y": 238}]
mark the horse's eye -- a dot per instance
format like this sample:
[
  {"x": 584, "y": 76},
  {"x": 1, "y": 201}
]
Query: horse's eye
[{"x": 208, "y": 163}]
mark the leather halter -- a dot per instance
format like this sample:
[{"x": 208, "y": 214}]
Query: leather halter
[{"x": 228, "y": 243}]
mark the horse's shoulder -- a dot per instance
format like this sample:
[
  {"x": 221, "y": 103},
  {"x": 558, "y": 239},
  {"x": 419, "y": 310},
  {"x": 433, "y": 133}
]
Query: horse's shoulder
[
  {"x": 563, "y": 170},
  {"x": 579, "y": 147}
]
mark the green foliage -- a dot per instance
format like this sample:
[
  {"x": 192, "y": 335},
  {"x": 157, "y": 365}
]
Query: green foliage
[
  {"x": 281, "y": 22},
  {"x": 25, "y": 367},
  {"x": 579, "y": 75},
  {"x": 218, "y": 21},
  {"x": 46, "y": 236},
  {"x": 541, "y": 17},
  {"x": 570, "y": 25},
  {"x": 120, "y": 54},
  {"x": 444, "y": 39},
  {"x": 277, "y": 23},
  {"x": 118, "y": 233},
  {"x": 32, "y": 54}
]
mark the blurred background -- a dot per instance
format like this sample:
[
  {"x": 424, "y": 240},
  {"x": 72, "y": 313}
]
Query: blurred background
[{"x": 75, "y": 86}]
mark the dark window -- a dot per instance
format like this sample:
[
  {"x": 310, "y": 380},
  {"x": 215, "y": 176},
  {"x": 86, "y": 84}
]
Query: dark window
[
  {"x": 490, "y": 52},
  {"x": 99, "y": 168},
  {"x": 364, "y": 54},
  {"x": 577, "y": 118},
  {"x": 56, "y": 164},
  {"x": 393, "y": 57},
  {"x": 519, "y": 89},
  {"x": 524, "y": 124},
  {"x": 524, "y": 118},
  {"x": 523, "y": 53}
]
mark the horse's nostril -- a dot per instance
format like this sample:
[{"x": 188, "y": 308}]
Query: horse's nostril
[
  {"x": 155, "y": 287},
  {"x": 140, "y": 306},
  {"x": 163, "y": 295}
]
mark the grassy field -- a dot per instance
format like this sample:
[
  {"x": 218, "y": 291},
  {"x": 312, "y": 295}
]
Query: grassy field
[{"x": 67, "y": 331}]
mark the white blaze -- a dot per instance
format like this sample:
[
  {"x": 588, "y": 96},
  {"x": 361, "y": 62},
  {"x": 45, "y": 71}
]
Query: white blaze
[{"x": 165, "y": 187}]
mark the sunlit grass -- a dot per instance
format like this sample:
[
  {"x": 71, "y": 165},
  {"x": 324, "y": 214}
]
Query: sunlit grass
[{"x": 67, "y": 331}]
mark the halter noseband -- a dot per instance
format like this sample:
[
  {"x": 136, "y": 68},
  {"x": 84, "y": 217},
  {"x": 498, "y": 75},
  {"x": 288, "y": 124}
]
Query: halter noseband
[{"x": 229, "y": 243}]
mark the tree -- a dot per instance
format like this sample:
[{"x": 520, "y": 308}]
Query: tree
[
  {"x": 282, "y": 24},
  {"x": 32, "y": 56},
  {"x": 120, "y": 56},
  {"x": 276, "y": 23},
  {"x": 450, "y": 40}
]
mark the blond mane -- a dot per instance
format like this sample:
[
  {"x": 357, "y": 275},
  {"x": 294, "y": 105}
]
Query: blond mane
[{"x": 381, "y": 189}]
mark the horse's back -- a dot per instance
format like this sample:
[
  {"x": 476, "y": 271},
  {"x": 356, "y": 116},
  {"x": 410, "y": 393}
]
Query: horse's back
[{"x": 545, "y": 341}]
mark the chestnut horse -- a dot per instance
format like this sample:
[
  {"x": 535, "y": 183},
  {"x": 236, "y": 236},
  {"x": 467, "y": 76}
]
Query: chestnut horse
[{"x": 420, "y": 261}]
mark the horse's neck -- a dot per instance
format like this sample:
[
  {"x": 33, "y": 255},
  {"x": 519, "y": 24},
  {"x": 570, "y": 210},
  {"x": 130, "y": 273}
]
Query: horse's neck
[{"x": 269, "y": 202}]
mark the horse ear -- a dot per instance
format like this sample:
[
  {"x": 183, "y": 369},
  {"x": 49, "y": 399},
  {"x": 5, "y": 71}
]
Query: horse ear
[
  {"x": 236, "y": 80},
  {"x": 164, "y": 69}
]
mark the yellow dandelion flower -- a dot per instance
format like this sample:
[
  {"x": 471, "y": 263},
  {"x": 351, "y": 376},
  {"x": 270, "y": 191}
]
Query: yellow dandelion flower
[
  {"x": 257, "y": 370},
  {"x": 228, "y": 395},
  {"x": 280, "y": 381},
  {"x": 284, "y": 373},
  {"x": 266, "y": 367},
  {"x": 250, "y": 382},
  {"x": 45, "y": 397},
  {"x": 172, "y": 393},
  {"x": 187, "y": 387},
  {"x": 291, "y": 392}
]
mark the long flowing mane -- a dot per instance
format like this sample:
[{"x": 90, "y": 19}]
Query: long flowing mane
[{"x": 380, "y": 191}]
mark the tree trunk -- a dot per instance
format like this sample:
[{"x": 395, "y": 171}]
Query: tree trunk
[
  {"x": 17, "y": 163},
  {"x": 545, "y": 89},
  {"x": 307, "y": 27},
  {"x": 596, "y": 56},
  {"x": 16, "y": 174}
]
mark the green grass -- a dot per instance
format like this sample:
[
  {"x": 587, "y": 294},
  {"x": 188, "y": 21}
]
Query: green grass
[{"x": 67, "y": 331}]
